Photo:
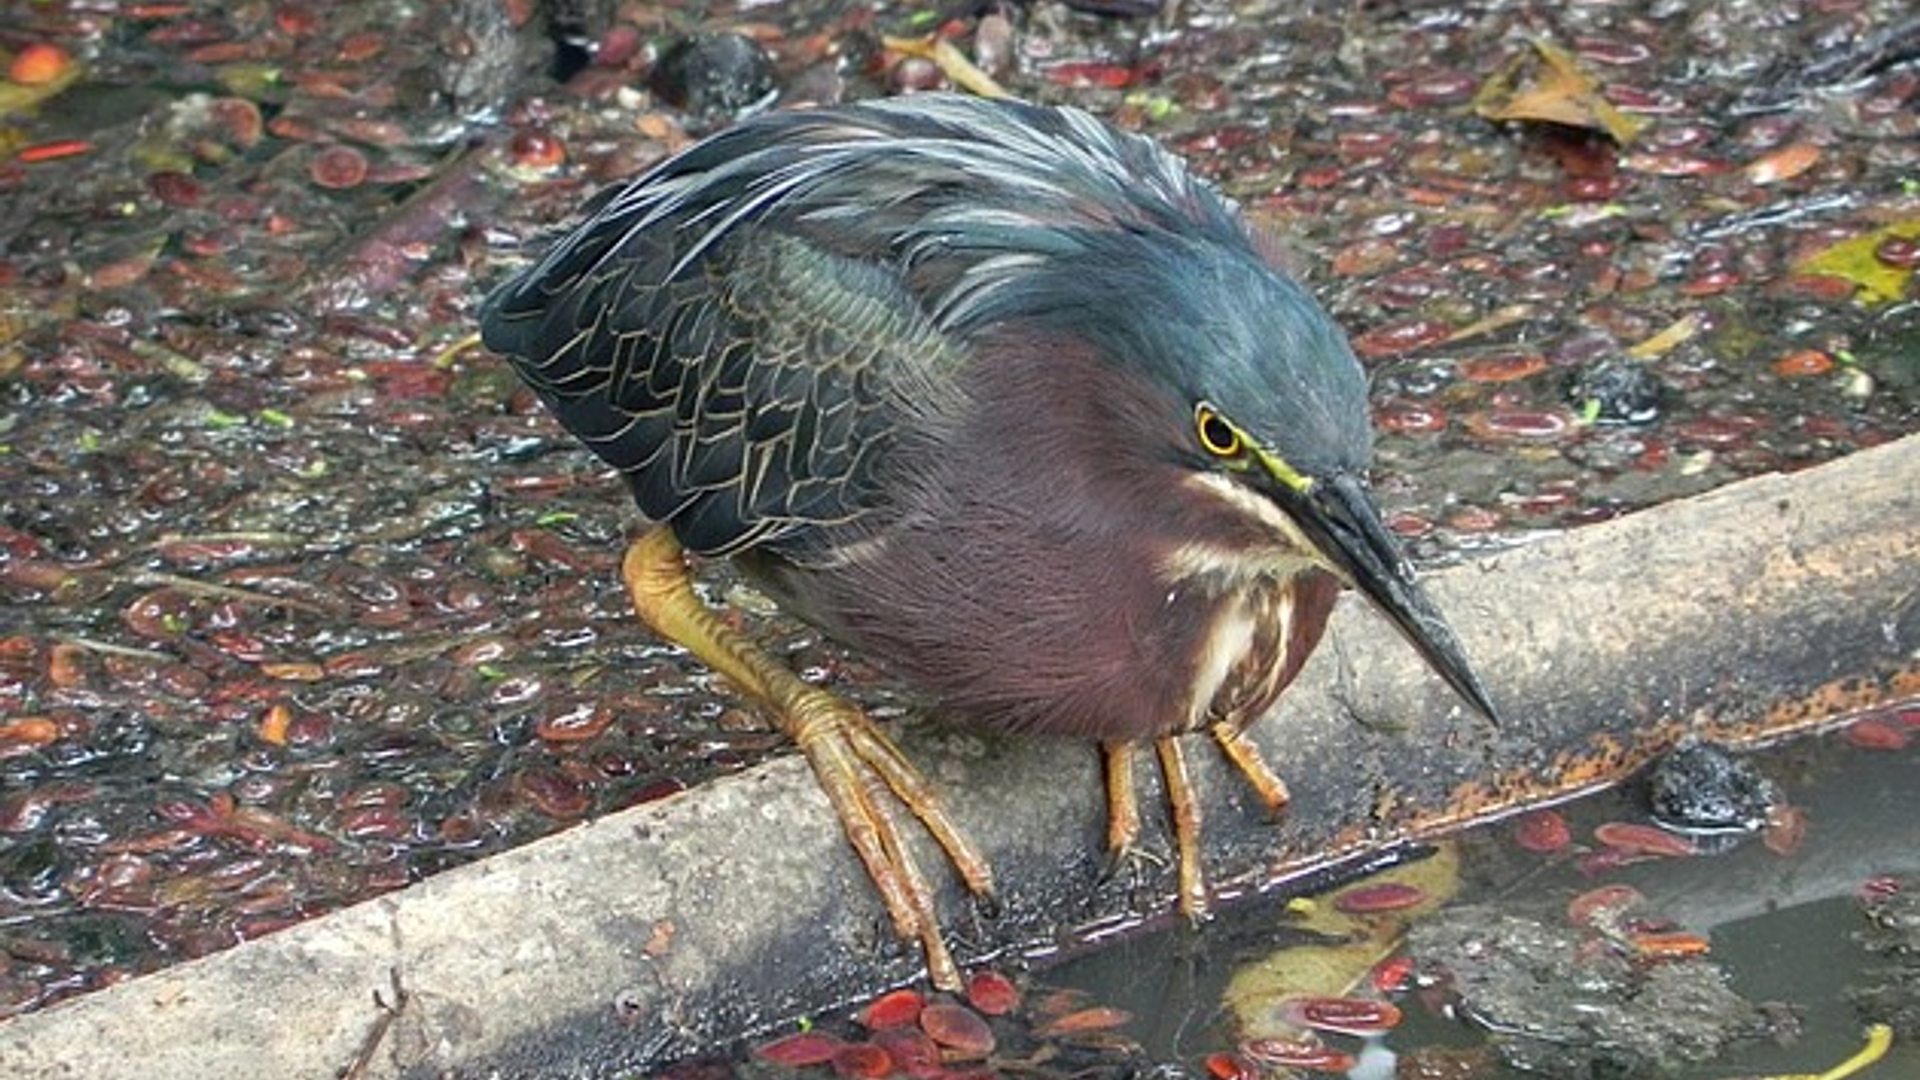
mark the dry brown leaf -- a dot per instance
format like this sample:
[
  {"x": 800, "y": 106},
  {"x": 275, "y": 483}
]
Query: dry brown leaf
[{"x": 1559, "y": 92}]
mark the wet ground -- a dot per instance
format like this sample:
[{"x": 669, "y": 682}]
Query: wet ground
[{"x": 297, "y": 606}]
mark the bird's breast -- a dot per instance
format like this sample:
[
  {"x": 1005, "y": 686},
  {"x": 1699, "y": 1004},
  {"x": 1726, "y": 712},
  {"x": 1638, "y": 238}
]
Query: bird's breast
[{"x": 1252, "y": 644}]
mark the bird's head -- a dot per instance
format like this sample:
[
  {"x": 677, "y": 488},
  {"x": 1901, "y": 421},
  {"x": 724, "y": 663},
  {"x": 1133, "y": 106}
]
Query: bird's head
[
  {"x": 1279, "y": 416},
  {"x": 1268, "y": 408}
]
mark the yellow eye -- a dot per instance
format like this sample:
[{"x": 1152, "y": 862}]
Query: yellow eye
[{"x": 1218, "y": 437}]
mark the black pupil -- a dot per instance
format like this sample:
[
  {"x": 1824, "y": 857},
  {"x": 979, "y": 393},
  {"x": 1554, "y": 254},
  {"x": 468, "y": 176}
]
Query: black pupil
[{"x": 1218, "y": 435}]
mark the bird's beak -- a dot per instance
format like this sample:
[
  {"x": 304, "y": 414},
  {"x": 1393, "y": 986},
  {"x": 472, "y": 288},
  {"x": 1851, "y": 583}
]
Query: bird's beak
[{"x": 1339, "y": 516}]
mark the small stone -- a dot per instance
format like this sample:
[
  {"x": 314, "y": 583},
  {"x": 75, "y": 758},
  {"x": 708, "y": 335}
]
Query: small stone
[
  {"x": 1701, "y": 788},
  {"x": 1619, "y": 391},
  {"x": 714, "y": 76}
]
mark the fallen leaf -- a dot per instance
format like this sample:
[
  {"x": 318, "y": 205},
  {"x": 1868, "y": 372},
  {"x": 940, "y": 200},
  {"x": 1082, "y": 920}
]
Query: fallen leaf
[
  {"x": 1857, "y": 260},
  {"x": 1559, "y": 92},
  {"x": 1350, "y": 945}
]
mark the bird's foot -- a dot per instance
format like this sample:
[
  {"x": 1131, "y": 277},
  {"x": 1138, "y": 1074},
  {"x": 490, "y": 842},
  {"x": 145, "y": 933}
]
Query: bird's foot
[
  {"x": 852, "y": 759},
  {"x": 1123, "y": 809},
  {"x": 862, "y": 772}
]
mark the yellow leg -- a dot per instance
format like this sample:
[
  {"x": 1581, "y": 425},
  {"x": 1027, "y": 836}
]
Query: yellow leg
[
  {"x": 1123, "y": 808},
  {"x": 851, "y": 758},
  {"x": 1123, "y": 812},
  {"x": 1246, "y": 757},
  {"x": 1185, "y": 805}
]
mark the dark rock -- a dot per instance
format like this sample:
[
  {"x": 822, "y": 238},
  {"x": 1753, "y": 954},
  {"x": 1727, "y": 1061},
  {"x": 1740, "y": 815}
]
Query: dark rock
[
  {"x": 1618, "y": 391},
  {"x": 1554, "y": 1004},
  {"x": 1888, "y": 992},
  {"x": 714, "y": 76},
  {"x": 1701, "y": 788}
]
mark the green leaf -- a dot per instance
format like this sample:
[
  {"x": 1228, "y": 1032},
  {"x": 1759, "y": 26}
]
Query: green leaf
[{"x": 1857, "y": 260}]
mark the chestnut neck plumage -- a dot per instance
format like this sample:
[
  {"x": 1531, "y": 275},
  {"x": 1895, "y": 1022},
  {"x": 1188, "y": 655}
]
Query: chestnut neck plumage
[{"x": 1084, "y": 607}]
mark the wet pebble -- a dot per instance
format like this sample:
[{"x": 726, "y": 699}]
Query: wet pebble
[
  {"x": 159, "y": 615},
  {"x": 862, "y": 1061},
  {"x": 517, "y": 690},
  {"x": 32, "y": 869},
  {"x": 39, "y": 63},
  {"x": 26, "y": 734},
  {"x": 1435, "y": 88},
  {"x": 1701, "y": 787},
  {"x": 1501, "y": 369},
  {"x": 1081, "y": 1021},
  {"x": 1616, "y": 391},
  {"x": 913, "y": 1053},
  {"x": 375, "y": 823},
  {"x": 1224, "y": 1066},
  {"x": 916, "y": 73},
  {"x": 24, "y": 811},
  {"x": 1518, "y": 425},
  {"x": 1410, "y": 417},
  {"x": 576, "y": 722},
  {"x": 1875, "y": 734},
  {"x": 173, "y": 188},
  {"x": 1400, "y": 337},
  {"x": 1786, "y": 829},
  {"x": 1898, "y": 251},
  {"x": 1782, "y": 164},
  {"x": 713, "y": 75},
  {"x": 536, "y": 150},
  {"x": 1717, "y": 432},
  {"x": 1803, "y": 363}
]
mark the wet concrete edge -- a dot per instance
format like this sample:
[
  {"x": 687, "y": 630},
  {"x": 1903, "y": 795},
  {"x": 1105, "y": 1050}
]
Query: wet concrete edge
[{"x": 631, "y": 939}]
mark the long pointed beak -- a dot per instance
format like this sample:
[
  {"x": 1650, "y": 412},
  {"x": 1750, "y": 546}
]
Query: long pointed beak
[{"x": 1340, "y": 517}]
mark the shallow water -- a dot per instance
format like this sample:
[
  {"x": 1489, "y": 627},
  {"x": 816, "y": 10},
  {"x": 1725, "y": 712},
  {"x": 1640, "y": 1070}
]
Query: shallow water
[{"x": 1782, "y": 927}]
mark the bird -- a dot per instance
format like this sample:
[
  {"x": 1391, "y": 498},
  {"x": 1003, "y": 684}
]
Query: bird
[{"x": 1002, "y": 398}]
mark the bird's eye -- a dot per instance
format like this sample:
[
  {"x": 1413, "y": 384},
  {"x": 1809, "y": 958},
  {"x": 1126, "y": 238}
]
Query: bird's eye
[{"x": 1218, "y": 437}]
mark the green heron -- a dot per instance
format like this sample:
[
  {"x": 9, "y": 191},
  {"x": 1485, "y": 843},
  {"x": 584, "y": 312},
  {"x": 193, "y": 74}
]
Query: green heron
[{"x": 999, "y": 396}]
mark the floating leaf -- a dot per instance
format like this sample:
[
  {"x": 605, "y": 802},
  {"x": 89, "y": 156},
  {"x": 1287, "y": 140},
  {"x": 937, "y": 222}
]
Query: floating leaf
[
  {"x": 1636, "y": 839},
  {"x": 1093, "y": 1018},
  {"x": 891, "y": 1010},
  {"x": 1353, "y": 942},
  {"x": 1373, "y": 897},
  {"x": 957, "y": 1028},
  {"x": 992, "y": 993},
  {"x": 1679, "y": 332},
  {"x": 17, "y": 99},
  {"x": 1560, "y": 92},
  {"x": 799, "y": 1050},
  {"x": 1858, "y": 261}
]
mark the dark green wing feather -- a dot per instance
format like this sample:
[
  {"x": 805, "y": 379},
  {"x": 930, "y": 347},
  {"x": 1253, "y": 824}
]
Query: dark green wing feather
[{"x": 746, "y": 330}]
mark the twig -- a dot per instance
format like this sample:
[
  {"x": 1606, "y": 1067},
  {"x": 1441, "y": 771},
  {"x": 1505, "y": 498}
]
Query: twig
[
  {"x": 377, "y": 1034},
  {"x": 223, "y": 592},
  {"x": 949, "y": 60}
]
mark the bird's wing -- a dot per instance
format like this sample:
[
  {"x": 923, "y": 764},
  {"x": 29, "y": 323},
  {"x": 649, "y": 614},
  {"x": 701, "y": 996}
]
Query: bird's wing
[{"x": 745, "y": 330}]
